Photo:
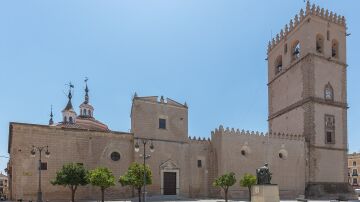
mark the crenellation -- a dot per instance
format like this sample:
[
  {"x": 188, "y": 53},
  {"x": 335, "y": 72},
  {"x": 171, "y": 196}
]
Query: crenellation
[
  {"x": 257, "y": 134},
  {"x": 299, "y": 18}
]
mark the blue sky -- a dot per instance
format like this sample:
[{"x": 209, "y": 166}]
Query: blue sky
[{"x": 209, "y": 53}]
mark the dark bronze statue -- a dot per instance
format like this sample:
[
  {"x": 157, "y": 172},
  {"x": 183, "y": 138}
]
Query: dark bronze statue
[{"x": 263, "y": 175}]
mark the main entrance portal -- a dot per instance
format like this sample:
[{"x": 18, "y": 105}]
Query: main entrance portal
[{"x": 169, "y": 183}]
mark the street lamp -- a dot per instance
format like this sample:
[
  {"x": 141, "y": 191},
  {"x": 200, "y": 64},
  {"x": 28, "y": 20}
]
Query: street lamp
[
  {"x": 144, "y": 141},
  {"x": 47, "y": 155}
]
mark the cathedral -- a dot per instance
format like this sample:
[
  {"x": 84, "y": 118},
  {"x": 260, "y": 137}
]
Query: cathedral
[{"x": 305, "y": 147}]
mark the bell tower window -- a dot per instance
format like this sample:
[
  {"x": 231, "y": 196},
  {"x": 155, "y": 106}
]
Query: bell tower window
[
  {"x": 335, "y": 49},
  {"x": 296, "y": 50},
  {"x": 70, "y": 119},
  {"x": 319, "y": 43},
  {"x": 278, "y": 64}
]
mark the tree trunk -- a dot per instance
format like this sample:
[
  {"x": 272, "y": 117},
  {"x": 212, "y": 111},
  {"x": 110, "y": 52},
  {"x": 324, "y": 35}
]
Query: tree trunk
[
  {"x": 226, "y": 195},
  {"x": 249, "y": 193},
  {"x": 73, "y": 189},
  {"x": 139, "y": 194},
  {"x": 102, "y": 194}
]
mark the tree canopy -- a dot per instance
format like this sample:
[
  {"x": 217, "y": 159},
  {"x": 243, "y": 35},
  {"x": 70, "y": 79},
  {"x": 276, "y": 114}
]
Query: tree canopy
[
  {"x": 225, "y": 181},
  {"x": 135, "y": 176},
  {"x": 248, "y": 180},
  {"x": 71, "y": 175},
  {"x": 101, "y": 177}
]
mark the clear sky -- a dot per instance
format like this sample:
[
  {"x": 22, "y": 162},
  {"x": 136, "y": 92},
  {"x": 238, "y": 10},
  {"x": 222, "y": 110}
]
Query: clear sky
[{"x": 209, "y": 53}]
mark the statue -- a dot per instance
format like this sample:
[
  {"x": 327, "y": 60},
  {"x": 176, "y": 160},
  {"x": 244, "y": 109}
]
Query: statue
[{"x": 263, "y": 175}]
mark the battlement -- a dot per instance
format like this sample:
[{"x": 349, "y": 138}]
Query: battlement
[
  {"x": 273, "y": 135},
  {"x": 313, "y": 10},
  {"x": 199, "y": 140}
]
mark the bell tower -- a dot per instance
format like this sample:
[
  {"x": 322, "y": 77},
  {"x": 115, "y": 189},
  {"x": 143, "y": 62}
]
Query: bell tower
[{"x": 307, "y": 95}]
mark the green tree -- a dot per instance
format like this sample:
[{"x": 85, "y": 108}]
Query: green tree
[
  {"x": 103, "y": 178},
  {"x": 71, "y": 175},
  {"x": 225, "y": 181},
  {"x": 248, "y": 180},
  {"x": 135, "y": 177}
]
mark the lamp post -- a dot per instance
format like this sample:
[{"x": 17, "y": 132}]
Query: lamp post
[
  {"x": 144, "y": 141},
  {"x": 47, "y": 154}
]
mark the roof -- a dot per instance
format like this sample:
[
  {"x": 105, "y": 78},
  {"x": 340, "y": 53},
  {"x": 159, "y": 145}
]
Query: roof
[
  {"x": 88, "y": 123},
  {"x": 69, "y": 106}
]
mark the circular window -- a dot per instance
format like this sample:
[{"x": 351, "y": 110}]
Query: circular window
[
  {"x": 115, "y": 156},
  {"x": 243, "y": 152}
]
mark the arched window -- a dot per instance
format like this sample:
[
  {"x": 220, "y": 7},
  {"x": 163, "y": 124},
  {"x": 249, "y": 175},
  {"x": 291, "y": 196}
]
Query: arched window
[
  {"x": 329, "y": 92},
  {"x": 89, "y": 112},
  {"x": 319, "y": 43},
  {"x": 296, "y": 50},
  {"x": 278, "y": 64},
  {"x": 70, "y": 119},
  {"x": 335, "y": 49},
  {"x": 84, "y": 112},
  {"x": 65, "y": 119}
]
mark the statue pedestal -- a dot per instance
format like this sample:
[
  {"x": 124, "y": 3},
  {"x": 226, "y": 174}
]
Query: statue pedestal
[{"x": 265, "y": 193}]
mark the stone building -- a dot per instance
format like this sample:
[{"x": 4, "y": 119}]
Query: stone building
[
  {"x": 4, "y": 186},
  {"x": 306, "y": 146},
  {"x": 353, "y": 168}
]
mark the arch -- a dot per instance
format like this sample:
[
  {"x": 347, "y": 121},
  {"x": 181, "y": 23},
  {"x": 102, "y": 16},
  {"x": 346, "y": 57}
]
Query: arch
[
  {"x": 319, "y": 43},
  {"x": 278, "y": 64},
  {"x": 89, "y": 112},
  {"x": 70, "y": 119},
  {"x": 84, "y": 113},
  {"x": 328, "y": 92},
  {"x": 335, "y": 48},
  {"x": 65, "y": 119},
  {"x": 296, "y": 50}
]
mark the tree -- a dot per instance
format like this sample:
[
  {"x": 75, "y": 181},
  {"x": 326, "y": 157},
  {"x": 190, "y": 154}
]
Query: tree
[
  {"x": 71, "y": 175},
  {"x": 103, "y": 178},
  {"x": 225, "y": 181},
  {"x": 248, "y": 180},
  {"x": 135, "y": 177}
]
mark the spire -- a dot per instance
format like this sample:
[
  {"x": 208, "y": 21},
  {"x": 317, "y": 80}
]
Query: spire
[
  {"x": 51, "y": 121},
  {"x": 86, "y": 91},
  {"x": 69, "y": 104}
]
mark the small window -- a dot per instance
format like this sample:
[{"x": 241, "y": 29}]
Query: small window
[
  {"x": 281, "y": 155},
  {"x": 329, "y": 92},
  {"x": 278, "y": 64},
  {"x": 285, "y": 48},
  {"x": 243, "y": 152},
  {"x": 296, "y": 50},
  {"x": 319, "y": 43},
  {"x": 115, "y": 156},
  {"x": 335, "y": 49},
  {"x": 355, "y": 181},
  {"x": 43, "y": 166},
  {"x": 354, "y": 163},
  {"x": 70, "y": 119},
  {"x": 89, "y": 112},
  {"x": 65, "y": 119},
  {"x": 355, "y": 172},
  {"x": 84, "y": 112},
  {"x": 199, "y": 163},
  {"x": 162, "y": 123},
  {"x": 329, "y": 139}
]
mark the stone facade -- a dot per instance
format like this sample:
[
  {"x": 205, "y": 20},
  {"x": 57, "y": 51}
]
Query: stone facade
[
  {"x": 305, "y": 147},
  {"x": 353, "y": 169},
  {"x": 4, "y": 186}
]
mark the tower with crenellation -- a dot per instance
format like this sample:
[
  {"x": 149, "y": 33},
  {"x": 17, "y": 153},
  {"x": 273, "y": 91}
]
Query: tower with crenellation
[{"x": 307, "y": 93}]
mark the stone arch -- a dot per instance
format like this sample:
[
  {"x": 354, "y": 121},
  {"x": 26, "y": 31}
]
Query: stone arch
[
  {"x": 278, "y": 64},
  {"x": 335, "y": 48},
  {"x": 328, "y": 92},
  {"x": 295, "y": 50},
  {"x": 319, "y": 43}
]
